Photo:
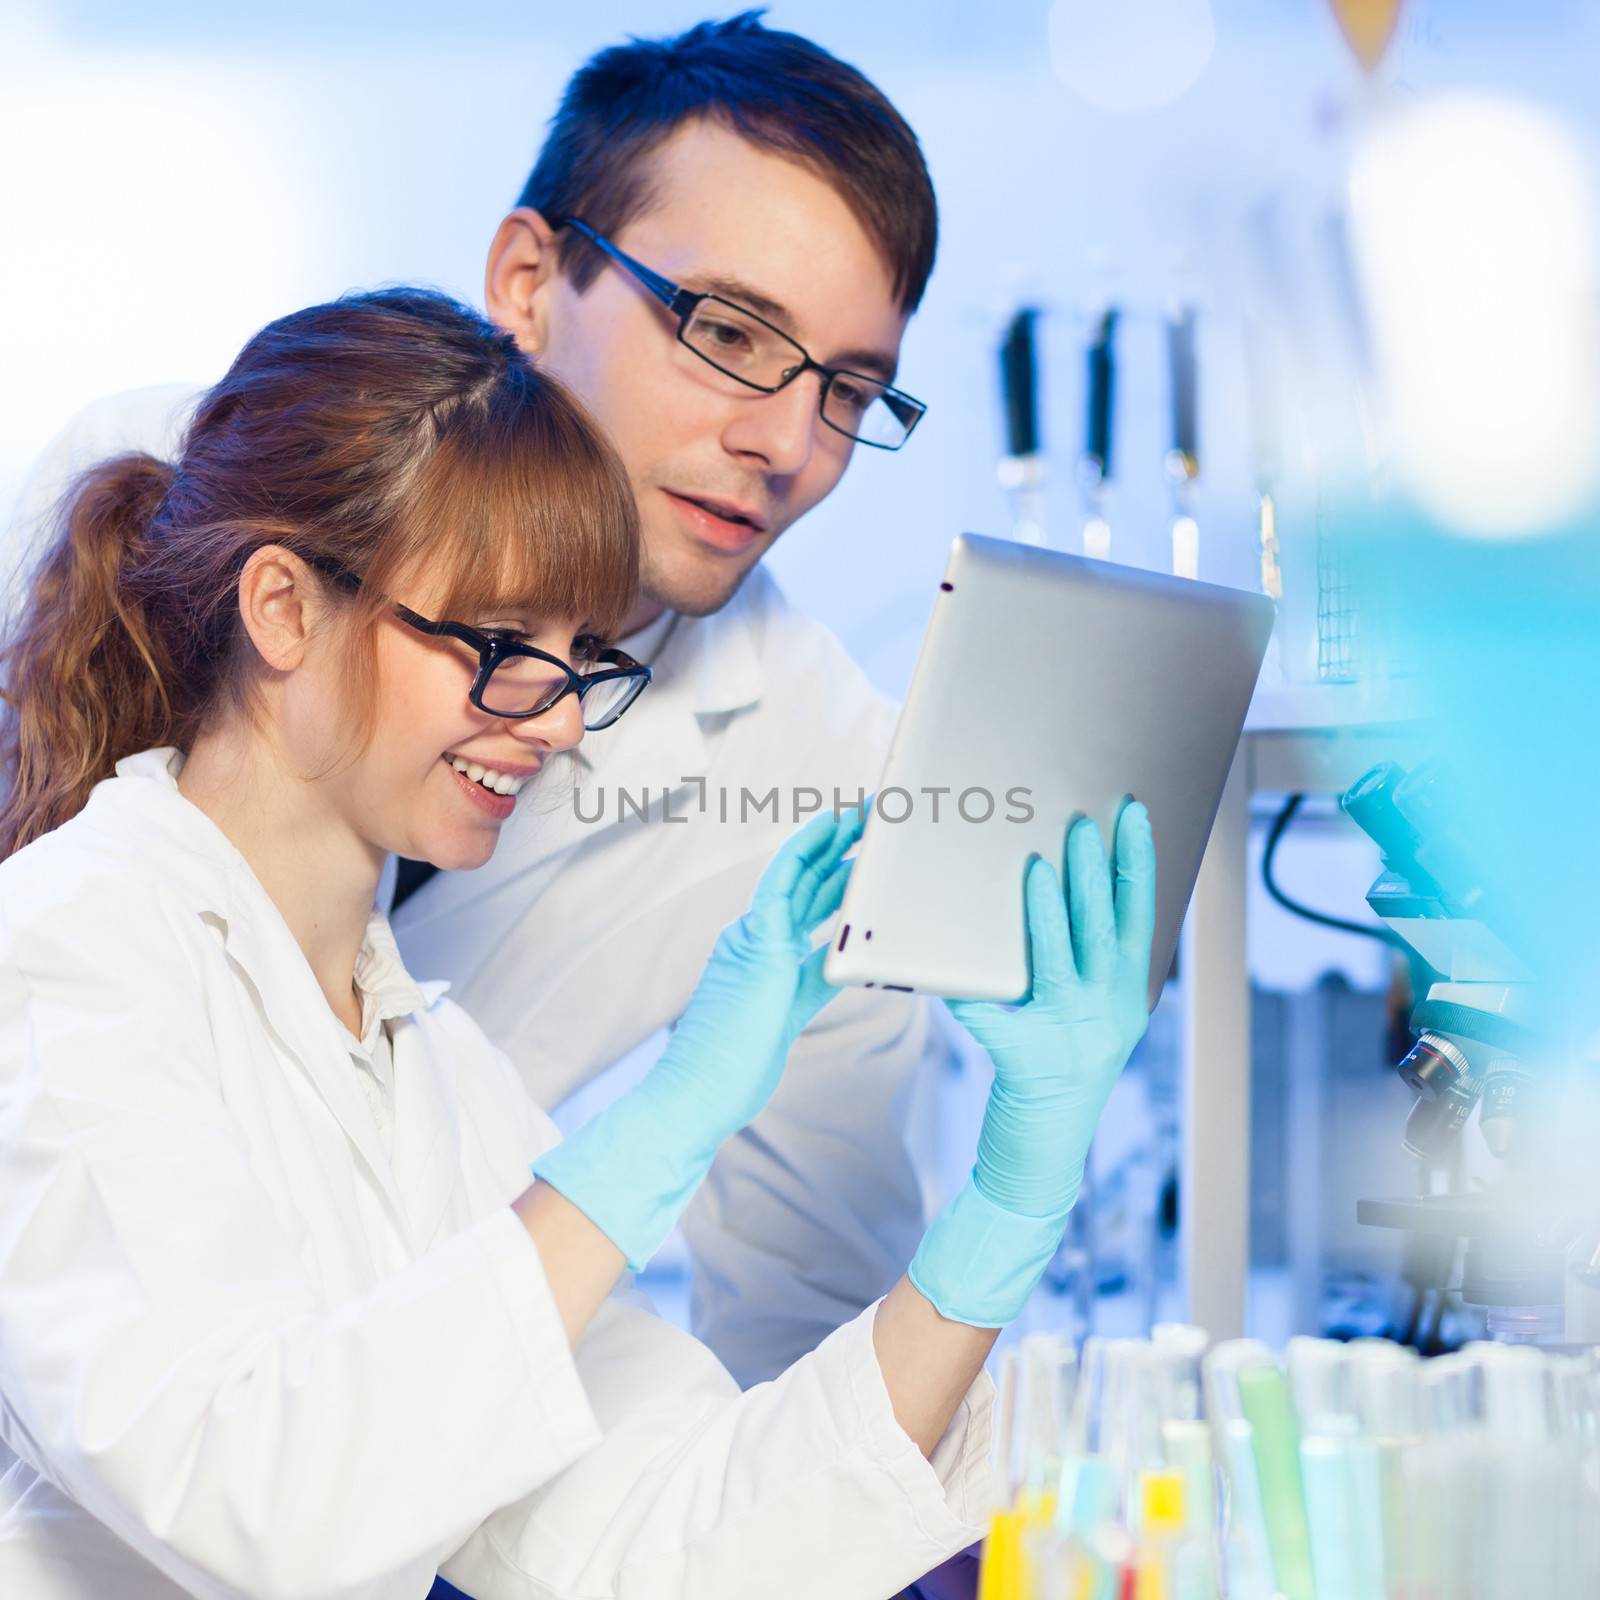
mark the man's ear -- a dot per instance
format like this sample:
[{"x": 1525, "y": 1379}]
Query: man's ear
[
  {"x": 519, "y": 277},
  {"x": 278, "y": 601}
]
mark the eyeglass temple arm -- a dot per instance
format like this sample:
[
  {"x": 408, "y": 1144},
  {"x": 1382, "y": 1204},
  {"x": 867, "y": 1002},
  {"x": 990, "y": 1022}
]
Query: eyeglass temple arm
[
  {"x": 614, "y": 663},
  {"x": 440, "y": 630},
  {"x": 336, "y": 571},
  {"x": 665, "y": 290}
]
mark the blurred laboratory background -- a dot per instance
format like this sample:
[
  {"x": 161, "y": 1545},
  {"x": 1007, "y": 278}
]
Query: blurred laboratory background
[{"x": 1224, "y": 286}]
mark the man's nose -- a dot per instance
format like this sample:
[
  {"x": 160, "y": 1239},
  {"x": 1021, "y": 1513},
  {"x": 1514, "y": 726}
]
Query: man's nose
[{"x": 778, "y": 428}]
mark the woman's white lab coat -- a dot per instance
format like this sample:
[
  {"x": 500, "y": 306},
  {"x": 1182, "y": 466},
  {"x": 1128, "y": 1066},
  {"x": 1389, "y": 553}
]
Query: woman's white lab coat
[{"x": 252, "y": 1342}]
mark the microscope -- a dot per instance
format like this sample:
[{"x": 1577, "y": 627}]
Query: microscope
[{"x": 1504, "y": 1124}]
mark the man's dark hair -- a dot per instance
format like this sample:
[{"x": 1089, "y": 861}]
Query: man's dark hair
[{"x": 774, "y": 89}]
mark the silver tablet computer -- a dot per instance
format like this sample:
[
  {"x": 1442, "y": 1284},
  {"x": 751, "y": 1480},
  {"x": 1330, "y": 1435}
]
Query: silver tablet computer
[{"x": 1048, "y": 687}]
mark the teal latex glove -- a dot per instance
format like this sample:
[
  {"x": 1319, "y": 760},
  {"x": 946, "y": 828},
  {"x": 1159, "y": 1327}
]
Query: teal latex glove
[
  {"x": 633, "y": 1168},
  {"x": 1056, "y": 1057}
]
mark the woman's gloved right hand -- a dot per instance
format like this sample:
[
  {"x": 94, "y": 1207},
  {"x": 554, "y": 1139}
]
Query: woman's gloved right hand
[
  {"x": 633, "y": 1168},
  {"x": 1056, "y": 1057}
]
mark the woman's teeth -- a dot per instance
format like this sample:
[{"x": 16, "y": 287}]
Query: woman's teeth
[{"x": 500, "y": 782}]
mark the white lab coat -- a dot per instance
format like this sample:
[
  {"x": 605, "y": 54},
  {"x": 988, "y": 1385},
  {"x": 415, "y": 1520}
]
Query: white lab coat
[
  {"x": 244, "y": 1351},
  {"x": 578, "y": 940}
]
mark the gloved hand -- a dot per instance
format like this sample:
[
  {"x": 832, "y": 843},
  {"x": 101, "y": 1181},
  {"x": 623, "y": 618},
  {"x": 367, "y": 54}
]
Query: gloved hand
[
  {"x": 633, "y": 1168},
  {"x": 1055, "y": 1057}
]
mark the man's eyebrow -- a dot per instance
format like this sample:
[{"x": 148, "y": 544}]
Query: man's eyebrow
[
  {"x": 873, "y": 363},
  {"x": 737, "y": 290}
]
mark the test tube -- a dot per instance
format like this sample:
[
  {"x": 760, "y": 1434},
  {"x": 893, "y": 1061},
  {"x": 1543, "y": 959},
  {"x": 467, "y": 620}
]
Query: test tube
[
  {"x": 1003, "y": 1574},
  {"x": 1186, "y": 1443},
  {"x": 1182, "y": 1347},
  {"x": 1451, "y": 1393},
  {"x": 1386, "y": 1387},
  {"x": 1520, "y": 1393},
  {"x": 1047, "y": 1373},
  {"x": 1221, "y": 1369},
  {"x": 1387, "y": 1391},
  {"x": 1275, "y": 1443},
  {"x": 1345, "y": 1535},
  {"x": 1247, "y": 1561},
  {"x": 1005, "y": 1425},
  {"x": 1322, "y": 1383}
]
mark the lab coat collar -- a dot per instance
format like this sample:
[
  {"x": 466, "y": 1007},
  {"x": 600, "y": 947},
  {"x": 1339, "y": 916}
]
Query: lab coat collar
[
  {"x": 707, "y": 666},
  {"x": 214, "y": 871},
  {"x": 720, "y": 655},
  {"x": 208, "y": 869},
  {"x": 387, "y": 989}
]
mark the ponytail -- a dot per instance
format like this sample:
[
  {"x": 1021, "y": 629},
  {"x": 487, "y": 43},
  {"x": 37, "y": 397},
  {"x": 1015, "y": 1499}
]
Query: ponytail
[{"x": 85, "y": 676}]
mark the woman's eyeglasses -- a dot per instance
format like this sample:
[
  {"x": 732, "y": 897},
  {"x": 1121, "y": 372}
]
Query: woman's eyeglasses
[{"x": 517, "y": 680}]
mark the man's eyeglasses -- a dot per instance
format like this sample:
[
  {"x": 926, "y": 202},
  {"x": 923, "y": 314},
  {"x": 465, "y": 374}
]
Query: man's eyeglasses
[
  {"x": 750, "y": 349},
  {"x": 517, "y": 680}
]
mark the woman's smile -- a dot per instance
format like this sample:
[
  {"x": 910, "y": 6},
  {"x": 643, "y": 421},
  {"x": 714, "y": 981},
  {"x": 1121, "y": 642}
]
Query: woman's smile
[{"x": 492, "y": 791}]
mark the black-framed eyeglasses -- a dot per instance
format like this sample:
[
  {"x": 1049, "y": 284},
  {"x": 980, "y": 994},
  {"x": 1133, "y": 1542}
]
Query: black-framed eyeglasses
[
  {"x": 517, "y": 680},
  {"x": 752, "y": 351}
]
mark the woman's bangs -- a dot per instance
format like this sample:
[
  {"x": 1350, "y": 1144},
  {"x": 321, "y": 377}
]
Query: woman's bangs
[{"x": 533, "y": 516}]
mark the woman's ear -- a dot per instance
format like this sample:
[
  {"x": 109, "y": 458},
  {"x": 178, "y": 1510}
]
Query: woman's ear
[
  {"x": 519, "y": 278},
  {"x": 279, "y": 601}
]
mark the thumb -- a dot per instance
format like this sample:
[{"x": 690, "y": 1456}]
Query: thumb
[
  {"x": 812, "y": 991},
  {"x": 978, "y": 1017}
]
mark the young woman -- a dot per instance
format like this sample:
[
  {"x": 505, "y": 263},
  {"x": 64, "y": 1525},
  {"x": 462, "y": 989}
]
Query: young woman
[{"x": 281, "y": 1312}]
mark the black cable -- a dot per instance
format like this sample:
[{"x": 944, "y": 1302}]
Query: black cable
[
  {"x": 1407, "y": 1332},
  {"x": 1430, "y": 1340},
  {"x": 1280, "y": 826}
]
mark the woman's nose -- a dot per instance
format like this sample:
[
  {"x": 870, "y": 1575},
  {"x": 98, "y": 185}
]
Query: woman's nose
[{"x": 559, "y": 728}]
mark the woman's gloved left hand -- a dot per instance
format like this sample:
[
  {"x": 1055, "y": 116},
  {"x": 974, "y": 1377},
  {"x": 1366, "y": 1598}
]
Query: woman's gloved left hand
[
  {"x": 1056, "y": 1057},
  {"x": 633, "y": 1168}
]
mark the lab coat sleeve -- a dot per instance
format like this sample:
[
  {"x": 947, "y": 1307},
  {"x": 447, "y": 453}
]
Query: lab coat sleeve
[
  {"x": 801, "y": 1487},
  {"x": 165, "y": 1356}
]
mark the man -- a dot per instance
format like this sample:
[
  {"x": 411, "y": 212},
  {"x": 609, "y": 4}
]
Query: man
[{"x": 719, "y": 248}]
